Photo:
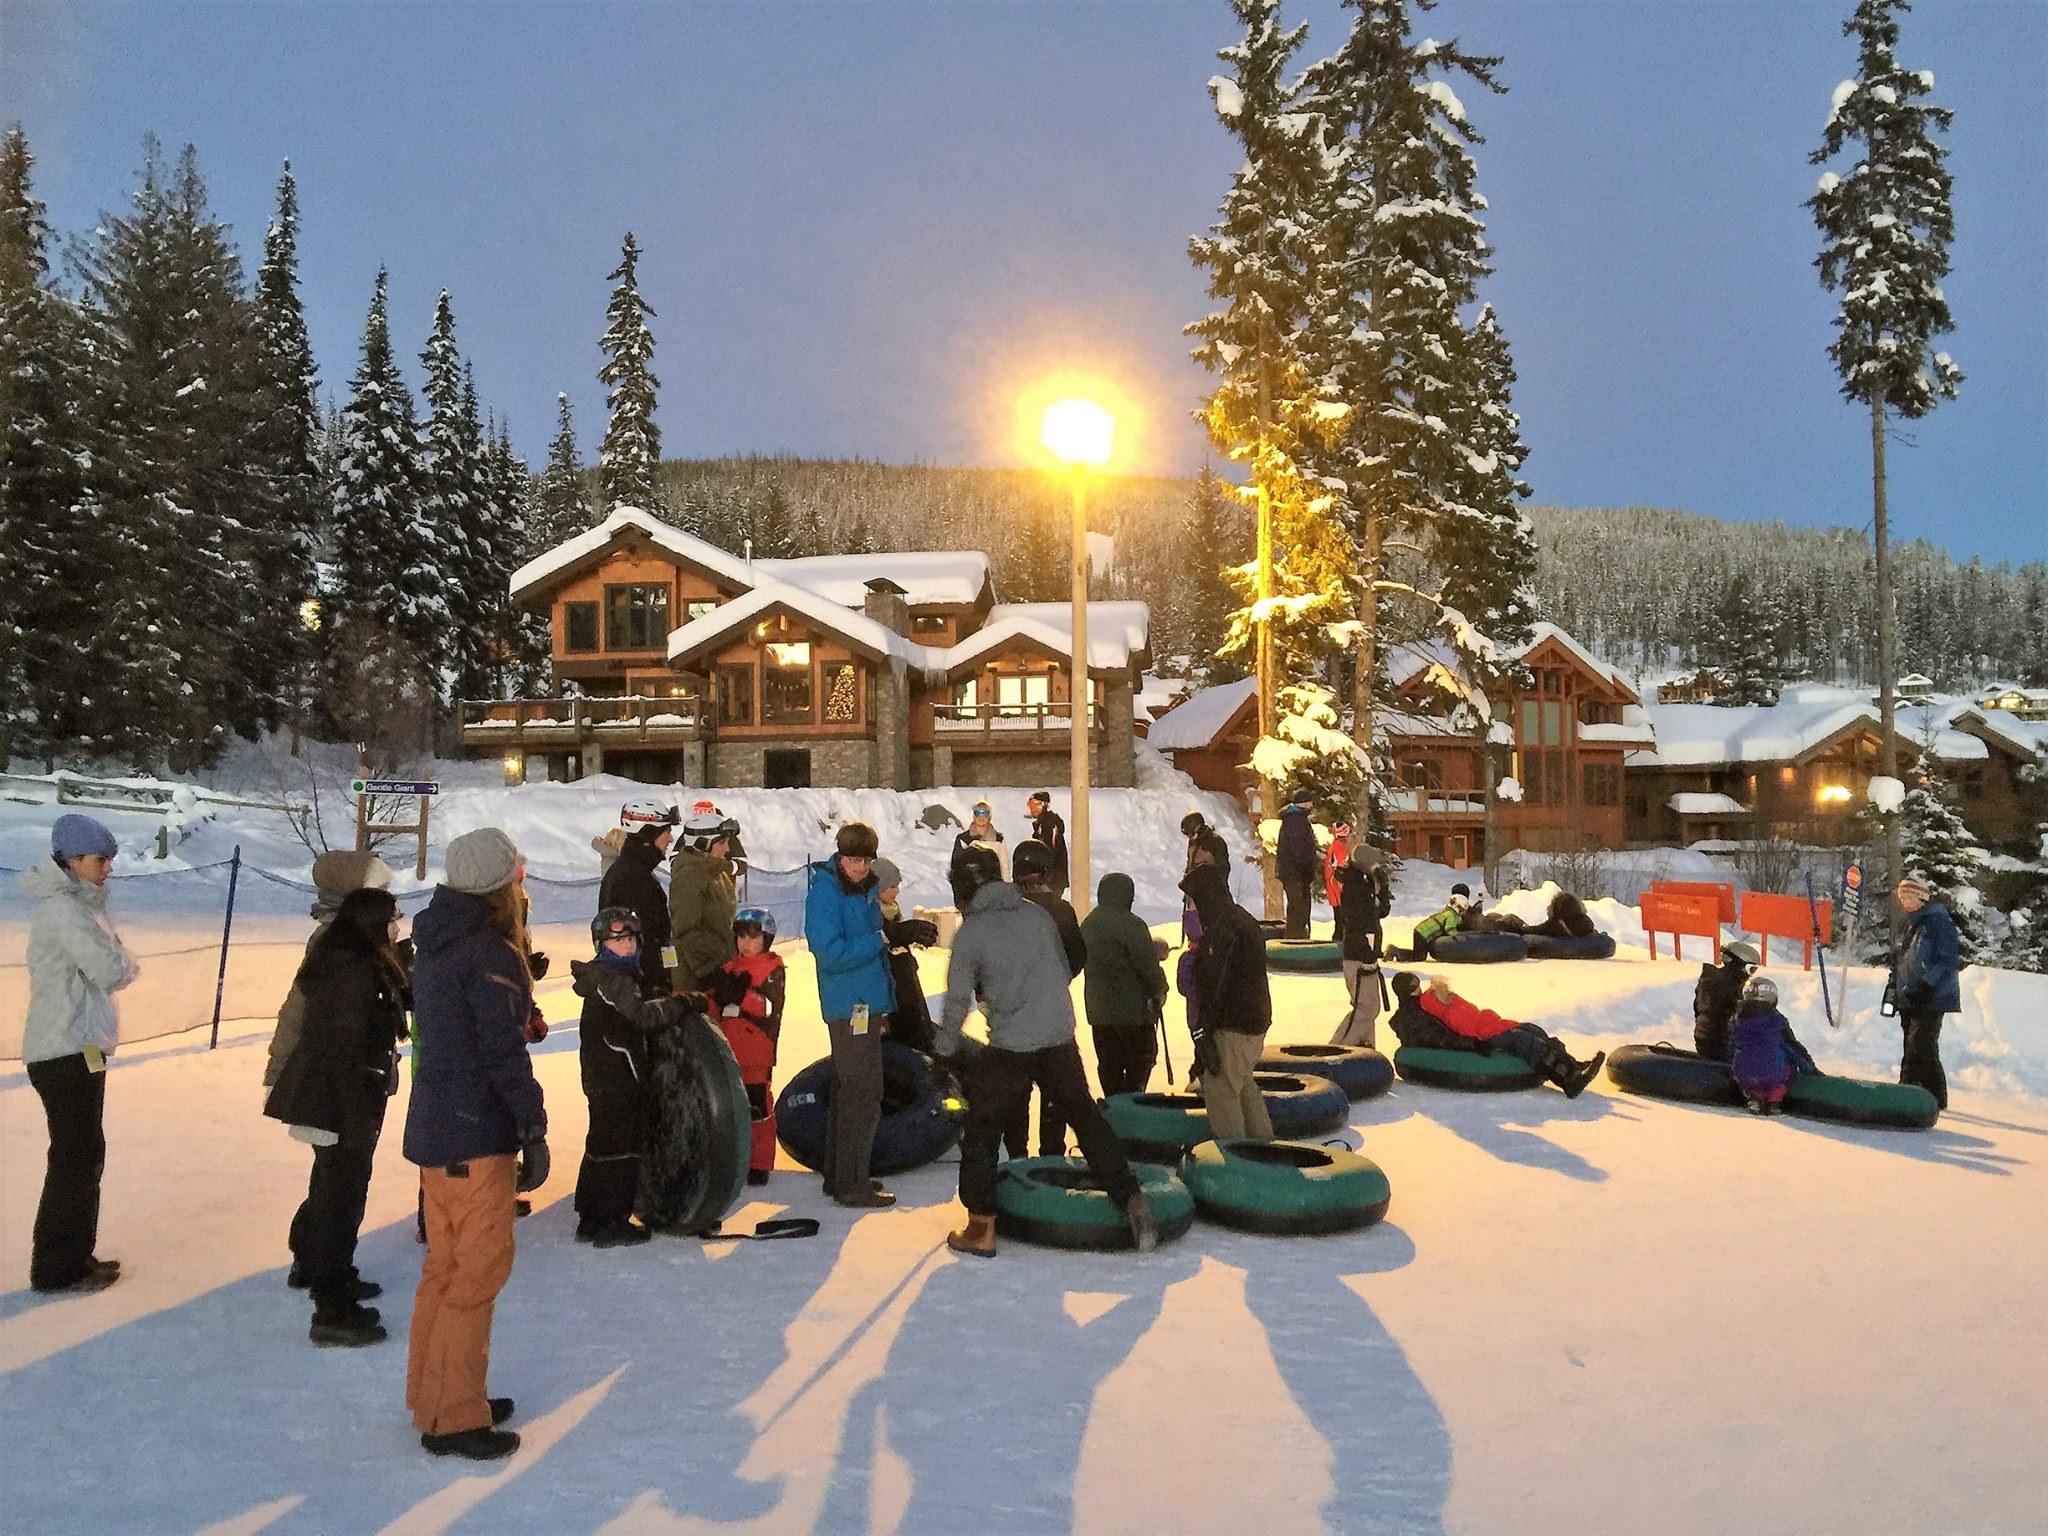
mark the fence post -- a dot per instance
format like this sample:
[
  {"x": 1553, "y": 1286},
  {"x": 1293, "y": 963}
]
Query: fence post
[{"x": 227, "y": 927}]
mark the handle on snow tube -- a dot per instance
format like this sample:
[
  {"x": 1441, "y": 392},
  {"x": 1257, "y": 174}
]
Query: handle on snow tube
[{"x": 769, "y": 1231}]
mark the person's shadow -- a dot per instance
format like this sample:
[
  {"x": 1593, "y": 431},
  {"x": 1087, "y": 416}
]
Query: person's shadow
[{"x": 1502, "y": 1124}]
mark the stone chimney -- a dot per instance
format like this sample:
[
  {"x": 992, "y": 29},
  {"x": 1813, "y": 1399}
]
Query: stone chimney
[{"x": 888, "y": 605}]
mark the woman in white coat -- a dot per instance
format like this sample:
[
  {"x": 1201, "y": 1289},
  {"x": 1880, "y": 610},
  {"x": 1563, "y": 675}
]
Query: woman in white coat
[{"x": 75, "y": 962}]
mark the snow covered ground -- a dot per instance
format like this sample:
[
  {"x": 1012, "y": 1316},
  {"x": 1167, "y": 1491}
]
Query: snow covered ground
[{"x": 1609, "y": 1315}]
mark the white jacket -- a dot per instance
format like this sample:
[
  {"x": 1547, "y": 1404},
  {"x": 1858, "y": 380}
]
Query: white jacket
[{"x": 75, "y": 959}]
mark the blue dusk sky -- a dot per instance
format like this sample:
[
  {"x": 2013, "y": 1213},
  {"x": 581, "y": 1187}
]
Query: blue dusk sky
[{"x": 871, "y": 227}]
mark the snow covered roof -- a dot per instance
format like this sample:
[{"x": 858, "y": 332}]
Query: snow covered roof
[
  {"x": 1201, "y": 719},
  {"x": 1156, "y": 695},
  {"x": 1628, "y": 732},
  {"x": 926, "y": 575},
  {"x": 1804, "y": 717},
  {"x": 1687, "y": 803},
  {"x": 857, "y": 629},
  {"x": 1548, "y": 631},
  {"x": 1117, "y": 631},
  {"x": 1400, "y": 722},
  {"x": 1411, "y": 658},
  {"x": 624, "y": 521}
]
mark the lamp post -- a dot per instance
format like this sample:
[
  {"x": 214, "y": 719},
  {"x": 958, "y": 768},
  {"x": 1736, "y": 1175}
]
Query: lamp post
[{"x": 1079, "y": 434}]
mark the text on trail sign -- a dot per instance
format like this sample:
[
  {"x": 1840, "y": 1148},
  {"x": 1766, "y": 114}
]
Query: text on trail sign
[{"x": 395, "y": 787}]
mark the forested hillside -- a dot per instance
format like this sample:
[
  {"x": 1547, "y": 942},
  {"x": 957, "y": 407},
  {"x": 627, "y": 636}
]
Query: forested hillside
[{"x": 1652, "y": 589}]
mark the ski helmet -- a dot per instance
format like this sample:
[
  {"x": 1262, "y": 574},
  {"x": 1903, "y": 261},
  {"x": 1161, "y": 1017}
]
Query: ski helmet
[
  {"x": 974, "y": 867},
  {"x": 1741, "y": 953},
  {"x": 1406, "y": 984},
  {"x": 1192, "y": 823},
  {"x": 1761, "y": 990},
  {"x": 1031, "y": 861},
  {"x": 646, "y": 813},
  {"x": 756, "y": 919},
  {"x": 614, "y": 923},
  {"x": 702, "y": 830}
]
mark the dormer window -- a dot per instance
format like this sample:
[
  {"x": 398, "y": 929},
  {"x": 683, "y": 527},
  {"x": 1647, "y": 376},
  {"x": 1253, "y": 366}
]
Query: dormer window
[{"x": 635, "y": 617}]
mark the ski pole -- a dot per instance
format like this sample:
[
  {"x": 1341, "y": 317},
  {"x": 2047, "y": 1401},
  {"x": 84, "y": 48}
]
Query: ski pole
[{"x": 1820, "y": 950}]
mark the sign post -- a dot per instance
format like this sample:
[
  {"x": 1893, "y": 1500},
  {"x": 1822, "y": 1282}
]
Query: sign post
[
  {"x": 1851, "y": 905},
  {"x": 366, "y": 792}
]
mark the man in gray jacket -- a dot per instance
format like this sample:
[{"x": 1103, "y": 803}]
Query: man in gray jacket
[{"x": 1008, "y": 956}]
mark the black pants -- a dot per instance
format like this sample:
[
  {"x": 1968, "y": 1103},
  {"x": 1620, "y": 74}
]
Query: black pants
[
  {"x": 1337, "y": 921},
  {"x": 1921, "y": 1063},
  {"x": 1530, "y": 1044},
  {"x": 999, "y": 1081},
  {"x": 609, "y": 1179},
  {"x": 1124, "y": 1059},
  {"x": 68, "y": 1216},
  {"x": 1297, "y": 907},
  {"x": 324, "y": 1235}
]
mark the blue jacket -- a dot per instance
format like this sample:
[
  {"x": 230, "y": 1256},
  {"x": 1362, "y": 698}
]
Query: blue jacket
[
  {"x": 474, "y": 1092},
  {"x": 1763, "y": 1052},
  {"x": 1295, "y": 857},
  {"x": 1926, "y": 972},
  {"x": 843, "y": 926}
]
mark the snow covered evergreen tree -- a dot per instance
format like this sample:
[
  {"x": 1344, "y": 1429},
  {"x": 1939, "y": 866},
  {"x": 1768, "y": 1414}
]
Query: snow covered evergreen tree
[
  {"x": 1938, "y": 848},
  {"x": 456, "y": 518},
  {"x": 631, "y": 451},
  {"x": 771, "y": 524},
  {"x": 1308, "y": 749},
  {"x": 1212, "y": 543},
  {"x": 1886, "y": 225},
  {"x": 1741, "y": 649},
  {"x": 563, "y": 510},
  {"x": 521, "y": 652}
]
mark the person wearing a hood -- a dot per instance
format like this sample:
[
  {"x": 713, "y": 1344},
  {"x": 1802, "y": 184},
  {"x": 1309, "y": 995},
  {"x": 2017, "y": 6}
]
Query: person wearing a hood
[
  {"x": 1007, "y": 957},
  {"x": 911, "y": 1021},
  {"x": 703, "y": 899},
  {"x": 1049, "y": 829},
  {"x": 1124, "y": 988},
  {"x": 1364, "y": 896},
  {"x": 1436, "y": 1018},
  {"x": 843, "y": 925},
  {"x": 981, "y": 830},
  {"x": 1716, "y": 995},
  {"x": 1233, "y": 1009},
  {"x": 1294, "y": 860},
  {"x": 1926, "y": 982},
  {"x": 631, "y": 882},
  {"x": 1033, "y": 872},
  {"x": 477, "y": 1129},
  {"x": 1763, "y": 1053},
  {"x": 332, "y": 1093},
  {"x": 76, "y": 962}
]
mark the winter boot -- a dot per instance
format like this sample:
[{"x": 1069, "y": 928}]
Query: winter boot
[
  {"x": 1575, "y": 1077},
  {"x": 501, "y": 1410},
  {"x": 1144, "y": 1225},
  {"x": 977, "y": 1239},
  {"x": 475, "y": 1444},
  {"x": 621, "y": 1234},
  {"x": 758, "y": 1176},
  {"x": 349, "y": 1327}
]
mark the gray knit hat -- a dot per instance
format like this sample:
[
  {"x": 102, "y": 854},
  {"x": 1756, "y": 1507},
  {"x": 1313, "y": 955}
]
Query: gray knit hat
[
  {"x": 481, "y": 861},
  {"x": 886, "y": 874}
]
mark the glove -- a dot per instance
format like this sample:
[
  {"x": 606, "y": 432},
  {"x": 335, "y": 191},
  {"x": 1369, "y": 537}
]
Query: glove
[
  {"x": 915, "y": 930},
  {"x": 946, "y": 1076},
  {"x": 536, "y": 1027},
  {"x": 725, "y": 988},
  {"x": 1208, "y": 1057},
  {"x": 533, "y": 1162},
  {"x": 537, "y": 965}
]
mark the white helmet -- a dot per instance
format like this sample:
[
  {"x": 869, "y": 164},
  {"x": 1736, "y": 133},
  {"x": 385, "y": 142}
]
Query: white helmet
[
  {"x": 703, "y": 829},
  {"x": 644, "y": 813}
]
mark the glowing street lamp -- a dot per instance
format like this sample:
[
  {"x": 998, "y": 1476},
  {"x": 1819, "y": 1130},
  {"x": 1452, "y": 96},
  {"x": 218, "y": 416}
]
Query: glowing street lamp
[{"x": 1080, "y": 434}]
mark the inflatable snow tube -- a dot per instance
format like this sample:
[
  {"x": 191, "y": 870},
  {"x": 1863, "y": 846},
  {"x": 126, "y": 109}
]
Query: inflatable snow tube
[
  {"x": 1271, "y": 927},
  {"x": 918, "y": 1122},
  {"x": 1594, "y": 946},
  {"x": 1361, "y": 1073},
  {"x": 1284, "y": 1187},
  {"x": 1157, "y": 1127},
  {"x": 1057, "y": 1203},
  {"x": 1479, "y": 948},
  {"x": 1300, "y": 1104},
  {"x": 1670, "y": 1072},
  {"x": 700, "y": 1130},
  {"x": 1465, "y": 1070},
  {"x": 1304, "y": 954}
]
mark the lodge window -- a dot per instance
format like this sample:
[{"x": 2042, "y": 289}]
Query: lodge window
[
  {"x": 1542, "y": 722},
  {"x": 963, "y": 694},
  {"x": 787, "y": 694},
  {"x": 698, "y": 607},
  {"x": 655, "y": 685},
  {"x": 736, "y": 694},
  {"x": 579, "y": 620},
  {"x": 842, "y": 692},
  {"x": 930, "y": 624},
  {"x": 635, "y": 618},
  {"x": 1638, "y": 807},
  {"x": 1600, "y": 784},
  {"x": 1543, "y": 778},
  {"x": 1603, "y": 714},
  {"x": 1422, "y": 774},
  {"x": 1973, "y": 783},
  {"x": 1022, "y": 693}
]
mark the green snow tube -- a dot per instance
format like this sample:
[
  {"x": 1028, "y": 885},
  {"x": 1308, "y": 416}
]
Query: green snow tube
[
  {"x": 1669, "y": 1072},
  {"x": 1304, "y": 955},
  {"x": 1057, "y": 1203},
  {"x": 1478, "y": 948},
  {"x": 1159, "y": 1127},
  {"x": 1466, "y": 1070},
  {"x": 1361, "y": 1073},
  {"x": 1284, "y": 1187},
  {"x": 1299, "y": 1104},
  {"x": 694, "y": 1168},
  {"x": 1593, "y": 946}
]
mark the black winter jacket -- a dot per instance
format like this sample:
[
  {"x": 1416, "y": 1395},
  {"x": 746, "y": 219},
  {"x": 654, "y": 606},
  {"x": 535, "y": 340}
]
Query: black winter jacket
[
  {"x": 1061, "y": 911},
  {"x": 1714, "y": 1001},
  {"x": 1230, "y": 966},
  {"x": 1047, "y": 827},
  {"x": 1412, "y": 1025},
  {"x": 1295, "y": 853},
  {"x": 612, "y": 1050},
  {"x": 1365, "y": 900},
  {"x": 631, "y": 883},
  {"x": 342, "y": 1069}
]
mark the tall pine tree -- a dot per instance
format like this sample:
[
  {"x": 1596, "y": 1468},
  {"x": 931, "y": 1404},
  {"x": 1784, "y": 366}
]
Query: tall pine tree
[
  {"x": 563, "y": 511},
  {"x": 627, "y": 459},
  {"x": 454, "y": 516}
]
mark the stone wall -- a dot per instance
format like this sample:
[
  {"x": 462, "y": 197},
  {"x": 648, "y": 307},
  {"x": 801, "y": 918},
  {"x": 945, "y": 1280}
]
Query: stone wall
[
  {"x": 889, "y": 711},
  {"x": 836, "y": 762}
]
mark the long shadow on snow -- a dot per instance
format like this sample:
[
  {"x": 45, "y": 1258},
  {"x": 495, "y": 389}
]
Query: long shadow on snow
[
  {"x": 1494, "y": 1122},
  {"x": 207, "y": 1410}
]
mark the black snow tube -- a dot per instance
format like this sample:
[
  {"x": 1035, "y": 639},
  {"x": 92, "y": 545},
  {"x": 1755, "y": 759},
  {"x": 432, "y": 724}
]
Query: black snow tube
[
  {"x": 1361, "y": 1073},
  {"x": 700, "y": 1130},
  {"x": 1304, "y": 954},
  {"x": 918, "y": 1122},
  {"x": 1271, "y": 927},
  {"x": 1465, "y": 1070},
  {"x": 1670, "y": 1072},
  {"x": 1057, "y": 1203},
  {"x": 1594, "y": 946},
  {"x": 1157, "y": 1127},
  {"x": 1479, "y": 948},
  {"x": 1284, "y": 1187},
  {"x": 1302, "y": 1105}
]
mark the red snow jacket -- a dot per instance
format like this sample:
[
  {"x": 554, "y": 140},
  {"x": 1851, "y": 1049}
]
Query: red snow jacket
[
  {"x": 1463, "y": 1018},
  {"x": 753, "y": 986}
]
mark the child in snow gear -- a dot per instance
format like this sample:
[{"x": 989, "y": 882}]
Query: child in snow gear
[
  {"x": 1763, "y": 1053},
  {"x": 747, "y": 996},
  {"x": 332, "y": 1092},
  {"x": 1926, "y": 982},
  {"x": 981, "y": 828},
  {"x": 1124, "y": 988},
  {"x": 1566, "y": 919},
  {"x": 843, "y": 925},
  {"x": 1447, "y": 919},
  {"x": 1365, "y": 896},
  {"x": 1033, "y": 869},
  {"x": 1047, "y": 828},
  {"x": 1233, "y": 1009},
  {"x": 702, "y": 901},
  {"x": 76, "y": 961},
  {"x": 1205, "y": 846},
  {"x": 1437, "y": 1018},
  {"x": 612, "y": 1055},
  {"x": 1334, "y": 859},
  {"x": 1007, "y": 956},
  {"x": 1294, "y": 860},
  {"x": 630, "y": 882},
  {"x": 1716, "y": 996},
  {"x": 911, "y": 1022}
]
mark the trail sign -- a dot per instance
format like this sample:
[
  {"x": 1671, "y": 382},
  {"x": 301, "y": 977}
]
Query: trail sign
[
  {"x": 366, "y": 789},
  {"x": 395, "y": 787}
]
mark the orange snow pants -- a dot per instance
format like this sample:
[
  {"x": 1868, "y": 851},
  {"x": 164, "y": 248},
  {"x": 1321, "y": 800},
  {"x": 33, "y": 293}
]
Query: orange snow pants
[{"x": 469, "y": 1259}]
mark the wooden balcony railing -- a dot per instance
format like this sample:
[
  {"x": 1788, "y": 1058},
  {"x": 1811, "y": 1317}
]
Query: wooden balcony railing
[
  {"x": 658, "y": 721},
  {"x": 1011, "y": 724},
  {"x": 1435, "y": 802}
]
